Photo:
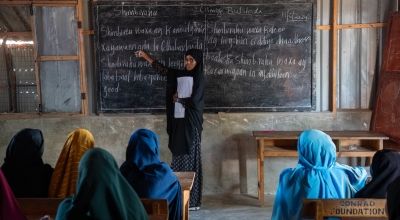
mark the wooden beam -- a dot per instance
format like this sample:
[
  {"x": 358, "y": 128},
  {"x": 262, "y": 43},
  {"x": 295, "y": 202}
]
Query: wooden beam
[
  {"x": 37, "y": 64},
  {"x": 355, "y": 26},
  {"x": 6, "y": 116},
  {"x": 352, "y": 26},
  {"x": 333, "y": 58},
  {"x": 323, "y": 27},
  {"x": 38, "y": 2},
  {"x": 82, "y": 63},
  {"x": 57, "y": 58},
  {"x": 87, "y": 32},
  {"x": 8, "y": 2},
  {"x": 11, "y": 79},
  {"x": 16, "y": 34},
  {"x": 55, "y": 4}
]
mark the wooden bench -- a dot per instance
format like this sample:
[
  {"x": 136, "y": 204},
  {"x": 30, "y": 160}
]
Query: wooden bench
[
  {"x": 284, "y": 144},
  {"x": 345, "y": 208},
  {"x": 157, "y": 209},
  {"x": 186, "y": 180},
  {"x": 34, "y": 208}
]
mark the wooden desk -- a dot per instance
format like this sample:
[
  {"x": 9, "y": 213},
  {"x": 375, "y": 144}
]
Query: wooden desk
[
  {"x": 186, "y": 180},
  {"x": 35, "y": 208},
  {"x": 364, "y": 209},
  {"x": 284, "y": 144}
]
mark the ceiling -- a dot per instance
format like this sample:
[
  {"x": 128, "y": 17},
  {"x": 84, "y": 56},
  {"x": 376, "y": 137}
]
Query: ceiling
[{"x": 15, "y": 19}]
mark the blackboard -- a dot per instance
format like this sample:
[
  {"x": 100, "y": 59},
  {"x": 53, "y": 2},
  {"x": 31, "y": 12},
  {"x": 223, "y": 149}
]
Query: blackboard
[{"x": 257, "y": 57}]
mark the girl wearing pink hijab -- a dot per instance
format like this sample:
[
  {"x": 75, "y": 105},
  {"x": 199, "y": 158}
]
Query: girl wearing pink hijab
[{"x": 9, "y": 208}]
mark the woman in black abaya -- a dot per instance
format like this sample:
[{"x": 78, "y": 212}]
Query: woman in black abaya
[
  {"x": 184, "y": 105},
  {"x": 385, "y": 168}
]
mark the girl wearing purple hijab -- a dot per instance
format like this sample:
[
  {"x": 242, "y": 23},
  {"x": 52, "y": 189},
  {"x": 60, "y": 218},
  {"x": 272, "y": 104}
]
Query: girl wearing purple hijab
[{"x": 184, "y": 106}]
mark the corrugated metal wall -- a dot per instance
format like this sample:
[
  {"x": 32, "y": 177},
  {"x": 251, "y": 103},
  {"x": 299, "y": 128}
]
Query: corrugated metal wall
[
  {"x": 24, "y": 69},
  {"x": 22, "y": 62},
  {"x": 359, "y": 52},
  {"x": 60, "y": 85}
]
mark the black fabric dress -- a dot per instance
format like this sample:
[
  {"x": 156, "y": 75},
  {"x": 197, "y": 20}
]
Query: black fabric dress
[
  {"x": 385, "y": 168},
  {"x": 393, "y": 200},
  {"x": 185, "y": 133}
]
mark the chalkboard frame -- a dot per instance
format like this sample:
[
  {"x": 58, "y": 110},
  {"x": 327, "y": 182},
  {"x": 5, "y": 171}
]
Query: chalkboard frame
[{"x": 153, "y": 110}]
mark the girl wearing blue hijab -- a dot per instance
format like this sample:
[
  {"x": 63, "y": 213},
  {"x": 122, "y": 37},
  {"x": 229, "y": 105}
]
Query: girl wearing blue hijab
[
  {"x": 316, "y": 176},
  {"x": 184, "y": 101},
  {"x": 148, "y": 175}
]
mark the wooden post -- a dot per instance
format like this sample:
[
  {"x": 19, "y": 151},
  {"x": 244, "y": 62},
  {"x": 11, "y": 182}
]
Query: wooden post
[
  {"x": 334, "y": 32},
  {"x": 260, "y": 166},
  {"x": 82, "y": 63},
  {"x": 11, "y": 78},
  {"x": 37, "y": 62}
]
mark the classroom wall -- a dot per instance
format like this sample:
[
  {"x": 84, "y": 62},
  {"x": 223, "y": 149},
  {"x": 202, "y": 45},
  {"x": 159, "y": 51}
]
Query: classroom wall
[{"x": 228, "y": 149}]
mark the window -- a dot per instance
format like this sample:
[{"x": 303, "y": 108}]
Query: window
[{"x": 48, "y": 35}]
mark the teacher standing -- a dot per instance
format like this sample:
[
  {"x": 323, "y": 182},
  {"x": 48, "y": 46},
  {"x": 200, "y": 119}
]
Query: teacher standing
[{"x": 184, "y": 105}]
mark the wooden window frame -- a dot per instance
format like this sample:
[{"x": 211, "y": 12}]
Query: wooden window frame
[
  {"x": 334, "y": 28},
  {"x": 80, "y": 57}
]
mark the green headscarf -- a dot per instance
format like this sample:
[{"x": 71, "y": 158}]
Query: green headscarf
[{"x": 102, "y": 192}]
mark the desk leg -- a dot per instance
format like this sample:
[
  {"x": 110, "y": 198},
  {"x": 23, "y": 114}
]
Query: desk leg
[
  {"x": 186, "y": 196},
  {"x": 260, "y": 168},
  {"x": 368, "y": 161}
]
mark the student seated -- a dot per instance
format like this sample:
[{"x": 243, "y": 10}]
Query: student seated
[
  {"x": 9, "y": 207},
  {"x": 316, "y": 176},
  {"x": 393, "y": 200},
  {"x": 23, "y": 167},
  {"x": 63, "y": 181},
  {"x": 102, "y": 192},
  {"x": 148, "y": 175},
  {"x": 385, "y": 168}
]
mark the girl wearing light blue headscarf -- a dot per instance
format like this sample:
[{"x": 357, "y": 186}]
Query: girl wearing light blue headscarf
[{"x": 316, "y": 176}]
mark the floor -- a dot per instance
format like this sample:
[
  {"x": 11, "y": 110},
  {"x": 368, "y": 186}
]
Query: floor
[{"x": 242, "y": 207}]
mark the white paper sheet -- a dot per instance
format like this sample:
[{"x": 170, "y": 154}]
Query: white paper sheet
[{"x": 184, "y": 90}]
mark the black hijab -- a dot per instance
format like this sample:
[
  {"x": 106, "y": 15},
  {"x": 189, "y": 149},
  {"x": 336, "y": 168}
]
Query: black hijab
[
  {"x": 393, "y": 200},
  {"x": 23, "y": 167},
  {"x": 194, "y": 106},
  {"x": 384, "y": 169}
]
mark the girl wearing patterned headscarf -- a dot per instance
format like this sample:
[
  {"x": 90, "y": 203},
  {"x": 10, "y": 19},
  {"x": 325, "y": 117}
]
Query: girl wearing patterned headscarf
[
  {"x": 184, "y": 106},
  {"x": 63, "y": 181}
]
